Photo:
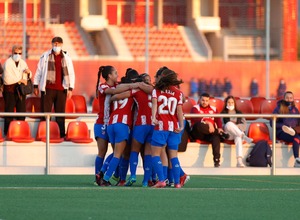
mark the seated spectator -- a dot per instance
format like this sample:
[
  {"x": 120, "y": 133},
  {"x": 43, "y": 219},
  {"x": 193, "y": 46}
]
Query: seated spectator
[
  {"x": 287, "y": 129},
  {"x": 207, "y": 128},
  {"x": 235, "y": 127}
]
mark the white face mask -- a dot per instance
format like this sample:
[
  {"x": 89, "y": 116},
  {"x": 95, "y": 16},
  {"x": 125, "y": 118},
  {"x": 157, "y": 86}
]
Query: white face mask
[
  {"x": 230, "y": 107},
  {"x": 16, "y": 57},
  {"x": 56, "y": 49}
]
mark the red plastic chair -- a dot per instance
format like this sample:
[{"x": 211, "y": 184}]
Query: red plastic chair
[
  {"x": 95, "y": 105},
  {"x": 78, "y": 132},
  {"x": 245, "y": 106},
  {"x": 256, "y": 102},
  {"x": 80, "y": 103},
  {"x": 19, "y": 131},
  {"x": 259, "y": 131},
  {"x": 187, "y": 106},
  {"x": 268, "y": 106},
  {"x": 54, "y": 132},
  {"x": 70, "y": 108},
  {"x": 33, "y": 104},
  {"x": 1, "y": 137},
  {"x": 218, "y": 103}
]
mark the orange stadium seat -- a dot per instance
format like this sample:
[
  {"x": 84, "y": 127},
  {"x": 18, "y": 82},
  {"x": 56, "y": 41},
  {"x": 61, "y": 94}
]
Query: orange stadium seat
[
  {"x": 1, "y": 136},
  {"x": 33, "y": 104},
  {"x": 256, "y": 102},
  {"x": 187, "y": 106},
  {"x": 80, "y": 103},
  {"x": 19, "y": 131},
  {"x": 70, "y": 108},
  {"x": 78, "y": 132},
  {"x": 218, "y": 103},
  {"x": 95, "y": 105},
  {"x": 54, "y": 132},
  {"x": 259, "y": 131}
]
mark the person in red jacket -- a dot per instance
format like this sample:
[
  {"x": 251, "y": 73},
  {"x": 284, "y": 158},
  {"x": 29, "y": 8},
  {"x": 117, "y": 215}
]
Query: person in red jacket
[{"x": 208, "y": 128}]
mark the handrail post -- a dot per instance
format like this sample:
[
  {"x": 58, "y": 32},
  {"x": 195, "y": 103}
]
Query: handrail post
[
  {"x": 274, "y": 145},
  {"x": 47, "y": 144}
]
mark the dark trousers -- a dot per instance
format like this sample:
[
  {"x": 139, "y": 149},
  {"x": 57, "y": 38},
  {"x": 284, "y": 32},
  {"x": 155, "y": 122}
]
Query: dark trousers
[
  {"x": 13, "y": 100},
  {"x": 200, "y": 131},
  {"x": 281, "y": 135},
  {"x": 57, "y": 99}
]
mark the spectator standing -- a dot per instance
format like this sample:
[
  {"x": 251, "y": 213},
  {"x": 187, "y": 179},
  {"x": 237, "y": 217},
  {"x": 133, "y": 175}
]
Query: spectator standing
[
  {"x": 207, "y": 128},
  {"x": 201, "y": 86},
  {"x": 212, "y": 87},
  {"x": 254, "y": 88},
  {"x": 219, "y": 88},
  {"x": 193, "y": 87},
  {"x": 15, "y": 72},
  {"x": 287, "y": 129},
  {"x": 55, "y": 78},
  {"x": 236, "y": 128},
  {"x": 227, "y": 86},
  {"x": 281, "y": 88}
]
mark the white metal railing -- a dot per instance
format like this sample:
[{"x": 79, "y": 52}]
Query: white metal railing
[{"x": 188, "y": 116}]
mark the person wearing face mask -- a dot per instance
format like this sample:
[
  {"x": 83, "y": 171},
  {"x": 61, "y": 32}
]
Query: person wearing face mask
[
  {"x": 287, "y": 129},
  {"x": 15, "y": 72},
  {"x": 55, "y": 78},
  {"x": 236, "y": 128}
]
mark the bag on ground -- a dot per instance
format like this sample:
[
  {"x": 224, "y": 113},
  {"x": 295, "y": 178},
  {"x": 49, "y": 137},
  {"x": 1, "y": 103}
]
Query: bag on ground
[{"x": 260, "y": 155}]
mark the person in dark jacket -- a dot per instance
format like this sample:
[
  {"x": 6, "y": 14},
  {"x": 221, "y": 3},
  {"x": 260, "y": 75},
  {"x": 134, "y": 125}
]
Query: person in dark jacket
[{"x": 287, "y": 129}]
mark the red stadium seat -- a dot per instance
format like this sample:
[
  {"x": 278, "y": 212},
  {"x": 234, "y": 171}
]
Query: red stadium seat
[
  {"x": 245, "y": 106},
  {"x": 78, "y": 132},
  {"x": 187, "y": 106},
  {"x": 19, "y": 131},
  {"x": 80, "y": 103},
  {"x": 33, "y": 104},
  {"x": 259, "y": 131},
  {"x": 1, "y": 137},
  {"x": 54, "y": 132},
  {"x": 70, "y": 108},
  {"x": 95, "y": 105},
  {"x": 218, "y": 103},
  {"x": 256, "y": 102},
  {"x": 268, "y": 106}
]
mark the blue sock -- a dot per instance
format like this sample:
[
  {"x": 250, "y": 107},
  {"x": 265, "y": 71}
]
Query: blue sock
[
  {"x": 147, "y": 168},
  {"x": 111, "y": 168},
  {"x": 133, "y": 163},
  {"x": 124, "y": 164},
  {"x": 106, "y": 163},
  {"x": 175, "y": 169},
  {"x": 165, "y": 170},
  {"x": 157, "y": 165},
  {"x": 170, "y": 175},
  {"x": 98, "y": 164},
  {"x": 154, "y": 176}
]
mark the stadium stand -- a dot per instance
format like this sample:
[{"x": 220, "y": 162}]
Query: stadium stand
[
  {"x": 95, "y": 105},
  {"x": 165, "y": 42},
  {"x": 256, "y": 102}
]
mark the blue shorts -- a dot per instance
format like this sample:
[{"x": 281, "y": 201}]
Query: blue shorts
[
  {"x": 143, "y": 133},
  {"x": 162, "y": 138},
  {"x": 118, "y": 132},
  {"x": 100, "y": 131}
]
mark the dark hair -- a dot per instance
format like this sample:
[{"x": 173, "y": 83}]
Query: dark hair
[
  {"x": 225, "y": 104},
  {"x": 169, "y": 78},
  {"x": 160, "y": 70},
  {"x": 131, "y": 76},
  {"x": 205, "y": 94},
  {"x": 57, "y": 39},
  {"x": 104, "y": 71}
]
